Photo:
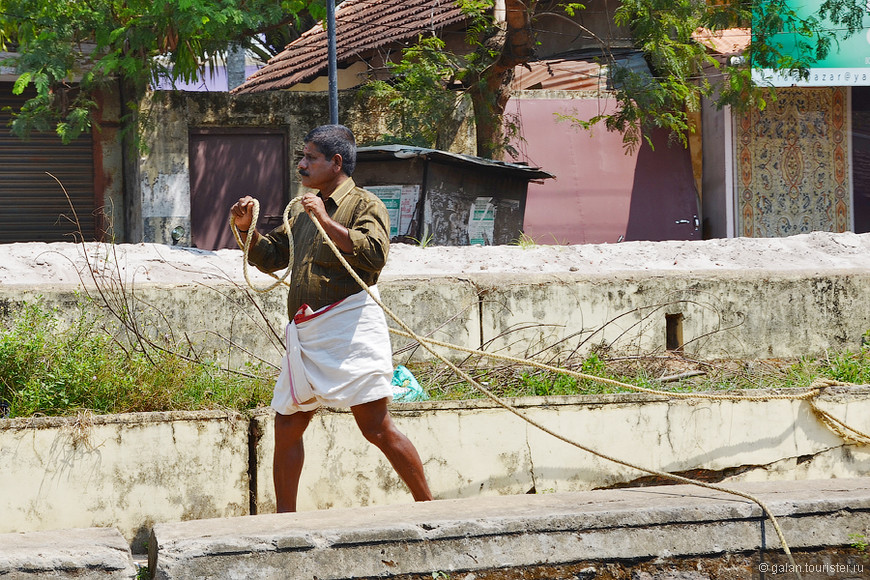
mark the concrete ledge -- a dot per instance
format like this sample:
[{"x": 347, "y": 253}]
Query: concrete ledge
[
  {"x": 512, "y": 532},
  {"x": 126, "y": 471},
  {"x": 77, "y": 553}
]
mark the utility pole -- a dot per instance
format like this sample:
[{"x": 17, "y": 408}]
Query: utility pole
[{"x": 333, "y": 67}]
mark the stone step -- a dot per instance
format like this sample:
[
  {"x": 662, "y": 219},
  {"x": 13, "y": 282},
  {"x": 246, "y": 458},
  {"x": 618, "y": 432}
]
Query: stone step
[
  {"x": 481, "y": 535},
  {"x": 81, "y": 553}
]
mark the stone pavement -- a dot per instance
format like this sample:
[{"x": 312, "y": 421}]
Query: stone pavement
[
  {"x": 84, "y": 554},
  {"x": 493, "y": 537}
]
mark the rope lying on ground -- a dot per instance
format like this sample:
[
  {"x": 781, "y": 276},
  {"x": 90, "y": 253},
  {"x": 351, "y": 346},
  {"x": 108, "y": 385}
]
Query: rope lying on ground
[{"x": 833, "y": 423}]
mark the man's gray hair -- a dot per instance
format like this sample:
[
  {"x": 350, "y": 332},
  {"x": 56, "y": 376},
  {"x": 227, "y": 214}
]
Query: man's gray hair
[{"x": 335, "y": 139}]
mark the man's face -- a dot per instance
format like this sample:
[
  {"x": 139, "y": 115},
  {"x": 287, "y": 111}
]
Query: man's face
[{"x": 316, "y": 170}]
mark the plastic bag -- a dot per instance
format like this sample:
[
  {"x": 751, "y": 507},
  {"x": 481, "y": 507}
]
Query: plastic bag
[{"x": 406, "y": 389}]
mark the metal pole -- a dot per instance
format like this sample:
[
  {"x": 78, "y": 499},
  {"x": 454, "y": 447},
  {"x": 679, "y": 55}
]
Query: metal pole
[{"x": 333, "y": 67}]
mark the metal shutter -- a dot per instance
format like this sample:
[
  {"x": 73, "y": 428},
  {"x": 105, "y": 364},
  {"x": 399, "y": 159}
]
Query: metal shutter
[{"x": 34, "y": 205}]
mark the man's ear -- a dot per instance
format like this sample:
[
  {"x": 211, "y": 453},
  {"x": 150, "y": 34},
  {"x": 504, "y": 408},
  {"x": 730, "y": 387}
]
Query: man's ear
[{"x": 338, "y": 161}]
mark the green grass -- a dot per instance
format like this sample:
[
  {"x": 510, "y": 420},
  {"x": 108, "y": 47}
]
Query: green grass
[
  {"x": 525, "y": 241},
  {"x": 648, "y": 372},
  {"x": 47, "y": 369}
]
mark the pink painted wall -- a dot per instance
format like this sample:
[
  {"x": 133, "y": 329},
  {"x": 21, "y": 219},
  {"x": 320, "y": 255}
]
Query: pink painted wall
[{"x": 601, "y": 192}]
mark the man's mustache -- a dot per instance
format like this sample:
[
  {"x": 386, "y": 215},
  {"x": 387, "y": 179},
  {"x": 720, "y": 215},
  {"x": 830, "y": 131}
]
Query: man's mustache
[{"x": 303, "y": 172}]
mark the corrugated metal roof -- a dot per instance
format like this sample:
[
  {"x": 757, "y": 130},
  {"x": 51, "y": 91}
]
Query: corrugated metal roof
[
  {"x": 377, "y": 152},
  {"x": 361, "y": 26},
  {"x": 574, "y": 73},
  {"x": 559, "y": 74}
]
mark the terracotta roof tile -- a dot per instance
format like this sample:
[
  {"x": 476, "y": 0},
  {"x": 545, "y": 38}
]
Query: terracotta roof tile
[
  {"x": 726, "y": 42},
  {"x": 361, "y": 26}
]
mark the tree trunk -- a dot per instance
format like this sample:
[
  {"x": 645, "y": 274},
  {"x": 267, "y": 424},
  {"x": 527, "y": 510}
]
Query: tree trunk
[{"x": 515, "y": 43}]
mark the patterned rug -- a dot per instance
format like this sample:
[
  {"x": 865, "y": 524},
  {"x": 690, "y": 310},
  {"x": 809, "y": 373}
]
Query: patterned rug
[{"x": 792, "y": 164}]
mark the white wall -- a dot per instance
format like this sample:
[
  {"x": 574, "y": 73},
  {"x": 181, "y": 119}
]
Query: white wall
[{"x": 132, "y": 471}]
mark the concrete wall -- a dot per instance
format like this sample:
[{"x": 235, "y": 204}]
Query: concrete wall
[
  {"x": 167, "y": 117},
  {"x": 666, "y": 533},
  {"x": 109, "y": 164},
  {"x": 736, "y": 315},
  {"x": 758, "y": 314},
  {"x": 717, "y": 194},
  {"x": 159, "y": 179},
  {"x": 133, "y": 471},
  {"x": 124, "y": 471},
  {"x": 477, "y": 448}
]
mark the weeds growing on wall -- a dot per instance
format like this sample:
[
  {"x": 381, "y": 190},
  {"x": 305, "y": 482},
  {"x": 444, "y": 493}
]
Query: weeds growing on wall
[
  {"x": 50, "y": 369},
  {"x": 672, "y": 371}
]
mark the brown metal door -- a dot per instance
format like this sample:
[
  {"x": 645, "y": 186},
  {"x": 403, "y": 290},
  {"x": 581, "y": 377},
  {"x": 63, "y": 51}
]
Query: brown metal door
[{"x": 226, "y": 164}]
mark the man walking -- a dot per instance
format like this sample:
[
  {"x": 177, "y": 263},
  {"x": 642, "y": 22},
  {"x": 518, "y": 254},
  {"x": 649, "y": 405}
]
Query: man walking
[{"x": 338, "y": 349}]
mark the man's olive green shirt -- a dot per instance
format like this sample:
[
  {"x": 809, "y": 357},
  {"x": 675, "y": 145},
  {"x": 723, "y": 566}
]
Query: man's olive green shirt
[{"x": 318, "y": 278}]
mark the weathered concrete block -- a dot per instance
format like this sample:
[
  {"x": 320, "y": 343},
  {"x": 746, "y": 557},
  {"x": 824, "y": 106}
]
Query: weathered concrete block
[
  {"x": 475, "y": 448},
  {"x": 750, "y": 314},
  {"x": 83, "y": 554},
  {"x": 468, "y": 535},
  {"x": 127, "y": 471}
]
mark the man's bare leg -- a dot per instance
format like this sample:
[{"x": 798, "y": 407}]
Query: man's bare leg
[
  {"x": 378, "y": 428},
  {"x": 288, "y": 458}
]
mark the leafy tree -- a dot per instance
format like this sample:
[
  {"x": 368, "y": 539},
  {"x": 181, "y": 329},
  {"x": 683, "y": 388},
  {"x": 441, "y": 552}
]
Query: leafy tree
[
  {"x": 68, "y": 50},
  {"x": 423, "y": 90},
  {"x": 425, "y": 82}
]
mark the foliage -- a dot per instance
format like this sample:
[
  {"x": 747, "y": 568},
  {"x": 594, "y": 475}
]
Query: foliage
[
  {"x": 683, "y": 72},
  {"x": 47, "y": 368},
  {"x": 68, "y": 51},
  {"x": 663, "y": 30},
  {"x": 525, "y": 241},
  {"x": 859, "y": 542},
  {"x": 425, "y": 241},
  {"x": 430, "y": 83},
  {"x": 417, "y": 93},
  {"x": 664, "y": 372},
  {"x": 848, "y": 367},
  {"x": 51, "y": 370}
]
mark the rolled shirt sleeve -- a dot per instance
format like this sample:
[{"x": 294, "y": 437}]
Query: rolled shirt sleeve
[
  {"x": 370, "y": 236},
  {"x": 272, "y": 252}
]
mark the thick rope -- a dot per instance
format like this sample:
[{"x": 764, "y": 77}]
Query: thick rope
[
  {"x": 246, "y": 245},
  {"x": 532, "y": 363},
  {"x": 834, "y": 424}
]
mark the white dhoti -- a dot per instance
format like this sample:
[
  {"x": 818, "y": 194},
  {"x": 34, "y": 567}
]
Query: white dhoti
[{"x": 338, "y": 356}]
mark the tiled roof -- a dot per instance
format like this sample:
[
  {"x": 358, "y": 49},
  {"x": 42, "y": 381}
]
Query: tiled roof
[
  {"x": 726, "y": 42},
  {"x": 361, "y": 26}
]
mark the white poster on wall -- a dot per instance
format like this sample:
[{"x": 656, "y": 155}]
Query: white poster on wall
[
  {"x": 410, "y": 198},
  {"x": 481, "y": 222},
  {"x": 401, "y": 202},
  {"x": 391, "y": 195}
]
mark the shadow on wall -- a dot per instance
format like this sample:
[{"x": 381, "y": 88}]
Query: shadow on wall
[{"x": 664, "y": 203}]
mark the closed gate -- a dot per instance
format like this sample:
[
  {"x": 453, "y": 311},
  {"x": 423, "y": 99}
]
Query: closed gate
[
  {"x": 226, "y": 164},
  {"x": 35, "y": 208}
]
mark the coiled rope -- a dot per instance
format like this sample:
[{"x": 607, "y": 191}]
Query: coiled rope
[
  {"x": 246, "y": 245},
  {"x": 815, "y": 389}
]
